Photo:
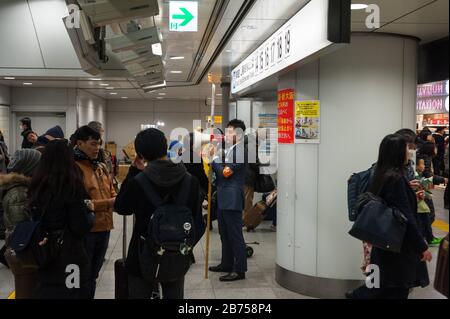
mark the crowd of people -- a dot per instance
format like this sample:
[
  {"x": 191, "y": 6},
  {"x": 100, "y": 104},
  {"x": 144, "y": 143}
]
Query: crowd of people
[
  {"x": 404, "y": 176},
  {"x": 68, "y": 188}
]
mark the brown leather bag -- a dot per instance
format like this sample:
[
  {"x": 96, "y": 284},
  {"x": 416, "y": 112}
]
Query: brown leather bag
[
  {"x": 255, "y": 216},
  {"x": 441, "y": 277}
]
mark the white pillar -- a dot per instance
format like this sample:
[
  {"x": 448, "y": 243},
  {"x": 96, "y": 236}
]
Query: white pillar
[{"x": 367, "y": 90}]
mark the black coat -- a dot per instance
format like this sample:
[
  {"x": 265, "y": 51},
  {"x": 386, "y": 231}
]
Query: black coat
[
  {"x": 72, "y": 215},
  {"x": 132, "y": 200},
  {"x": 402, "y": 269}
]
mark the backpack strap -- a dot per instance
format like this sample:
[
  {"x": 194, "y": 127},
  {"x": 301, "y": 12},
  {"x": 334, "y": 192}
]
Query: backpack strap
[
  {"x": 148, "y": 190},
  {"x": 183, "y": 193}
]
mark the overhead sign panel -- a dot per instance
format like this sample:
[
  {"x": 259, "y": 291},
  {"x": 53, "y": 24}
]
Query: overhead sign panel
[
  {"x": 302, "y": 36},
  {"x": 183, "y": 16}
]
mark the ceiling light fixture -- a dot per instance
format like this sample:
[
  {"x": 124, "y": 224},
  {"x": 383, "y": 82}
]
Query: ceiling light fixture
[
  {"x": 358, "y": 6},
  {"x": 157, "y": 49},
  {"x": 95, "y": 79},
  {"x": 104, "y": 84},
  {"x": 110, "y": 88},
  {"x": 27, "y": 83},
  {"x": 161, "y": 93},
  {"x": 159, "y": 98},
  {"x": 176, "y": 72},
  {"x": 177, "y": 57},
  {"x": 113, "y": 93},
  {"x": 219, "y": 94},
  {"x": 124, "y": 97},
  {"x": 9, "y": 78}
]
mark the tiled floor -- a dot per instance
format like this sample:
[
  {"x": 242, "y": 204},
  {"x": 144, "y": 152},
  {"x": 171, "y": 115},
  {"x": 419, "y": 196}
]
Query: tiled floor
[{"x": 260, "y": 281}]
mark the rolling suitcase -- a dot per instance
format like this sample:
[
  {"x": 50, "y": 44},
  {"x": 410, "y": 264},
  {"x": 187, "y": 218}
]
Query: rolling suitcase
[
  {"x": 441, "y": 277},
  {"x": 255, "y": 216},
  {"x": 120, "y": 271}
]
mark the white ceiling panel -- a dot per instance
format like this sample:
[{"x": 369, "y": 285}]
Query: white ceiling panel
[
  {"x": 389, "y": 9},
  {"x": 54, "y": 41},
  {"x": 425, "y": 32},
  {"x": 19, "y": 45}
]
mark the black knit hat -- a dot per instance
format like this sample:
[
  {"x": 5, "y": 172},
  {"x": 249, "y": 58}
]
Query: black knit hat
[{"x": 151, "y": 144}]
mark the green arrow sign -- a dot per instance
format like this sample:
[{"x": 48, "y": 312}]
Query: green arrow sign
[
  {"x": 183, "y": 16},
  {"x": 187, "y": 17}
]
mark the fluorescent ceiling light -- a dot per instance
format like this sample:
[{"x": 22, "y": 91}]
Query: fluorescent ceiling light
[
  {"x": 176, "y": 72},
  {"x": 124, "y": 97},
  {"x": 159, "y": 98},
  {"x": 110, "y": 88},
  {"x": 161, "y": 93},
  {"x": 177, "y": 57},
  {"x": 9, "y": 78},
  {"x": 113, "y": 93},
  {"x": 27, "y": 83},
  {"x": 157, "y": 49},
  {"x": 358, "y": 6},
  {"x": 95, "y": 79},
  {"x": 104, "y": 84},
  {"x": 219, "y": 94}
]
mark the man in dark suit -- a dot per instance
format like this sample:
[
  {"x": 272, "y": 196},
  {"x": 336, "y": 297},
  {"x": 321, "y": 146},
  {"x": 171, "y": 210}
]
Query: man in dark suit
[{"x": 230, "y": 171}]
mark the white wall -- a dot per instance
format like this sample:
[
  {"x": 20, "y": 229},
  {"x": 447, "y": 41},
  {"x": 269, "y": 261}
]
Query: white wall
[
  {"x": 366, "y": 92},
  {"x": 45, "y": 100},
  {"x": 124, "y": 118},
  {"x": 91, "y": 108}
]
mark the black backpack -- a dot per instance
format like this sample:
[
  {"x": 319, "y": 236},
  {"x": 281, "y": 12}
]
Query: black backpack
[
  {"x": 357, "y": 185},
  {"x": 165, "y": 250}
]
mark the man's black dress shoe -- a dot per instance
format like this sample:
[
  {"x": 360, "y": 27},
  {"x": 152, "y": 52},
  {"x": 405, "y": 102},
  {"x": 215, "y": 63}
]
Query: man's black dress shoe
[
  {"x": 219, "y": 268},
  {"x": 233, "y": 276}
]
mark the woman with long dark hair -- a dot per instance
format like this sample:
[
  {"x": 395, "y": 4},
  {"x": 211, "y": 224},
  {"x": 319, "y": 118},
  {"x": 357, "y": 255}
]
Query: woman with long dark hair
[
  {"x": 399, "y": 272},
  {"x": 57, "y": 199}
]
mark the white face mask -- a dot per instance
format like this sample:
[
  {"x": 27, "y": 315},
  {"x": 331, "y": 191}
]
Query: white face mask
[{"x": 412, "y": 155}]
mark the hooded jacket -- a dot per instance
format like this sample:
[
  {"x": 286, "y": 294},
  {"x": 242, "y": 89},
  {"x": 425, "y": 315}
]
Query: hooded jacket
[
  {"x": 100, "y": 189},
  {"x": 165, "y": 177},
  {"x": 13, "y": 194}
]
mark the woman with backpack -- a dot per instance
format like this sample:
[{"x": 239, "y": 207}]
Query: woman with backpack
[
  {"x": 57, "y": 200},
  {"x": 14, "y": 187},
  {"x": 399, "y": 272}
]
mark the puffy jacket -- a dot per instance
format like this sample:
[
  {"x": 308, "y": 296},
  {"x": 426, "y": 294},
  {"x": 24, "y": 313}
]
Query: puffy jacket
[
  {"x": 100, "y": 189},
  {"x": 14, "y": 189}
]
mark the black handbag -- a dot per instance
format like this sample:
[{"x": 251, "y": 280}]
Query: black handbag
[
  {"x": 378, "y": 224},
  {"x": 264, "y": 184}
]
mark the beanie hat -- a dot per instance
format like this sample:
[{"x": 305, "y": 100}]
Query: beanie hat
[
  {"x": 151, "y": 144},
  {"x": 174, "y": 148},
  {"x": 24, "y": 162},
  {"x": 55, "y": 132}
]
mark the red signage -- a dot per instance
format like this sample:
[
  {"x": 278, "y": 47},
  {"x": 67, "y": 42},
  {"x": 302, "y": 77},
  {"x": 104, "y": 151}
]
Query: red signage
[{"x": 286, "y": 116}]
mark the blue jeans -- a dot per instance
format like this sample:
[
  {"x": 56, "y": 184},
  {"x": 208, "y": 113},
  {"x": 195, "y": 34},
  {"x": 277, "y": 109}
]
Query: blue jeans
[{"x": 96, "y": 246}]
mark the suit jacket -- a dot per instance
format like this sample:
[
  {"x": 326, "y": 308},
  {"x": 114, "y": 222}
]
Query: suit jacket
[{"x": 230, "y": 191}]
